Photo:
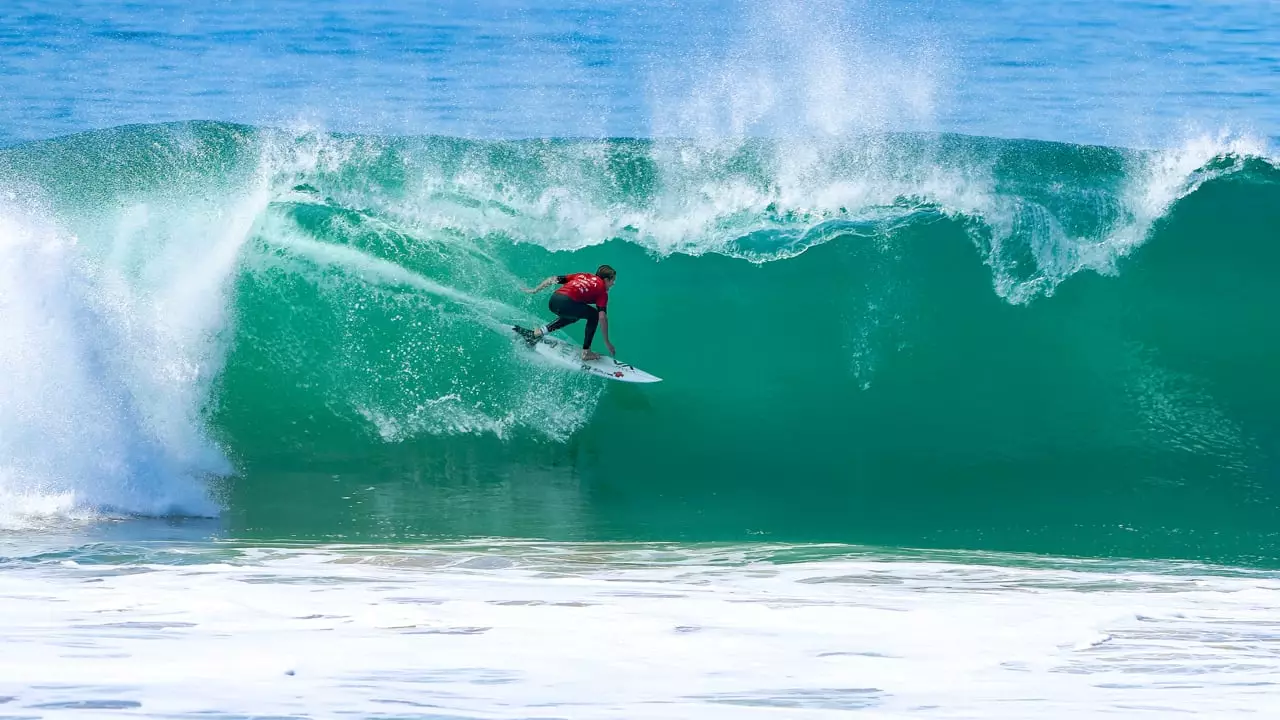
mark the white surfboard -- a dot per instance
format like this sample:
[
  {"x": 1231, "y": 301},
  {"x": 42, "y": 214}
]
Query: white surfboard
[{"x": 570, "y": 355}]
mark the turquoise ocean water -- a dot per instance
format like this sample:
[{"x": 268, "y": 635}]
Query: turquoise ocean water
[{"x": 965, "y": 313}]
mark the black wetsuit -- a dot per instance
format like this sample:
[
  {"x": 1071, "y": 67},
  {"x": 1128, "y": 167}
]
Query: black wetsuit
[{"x": 570, "y": 311}]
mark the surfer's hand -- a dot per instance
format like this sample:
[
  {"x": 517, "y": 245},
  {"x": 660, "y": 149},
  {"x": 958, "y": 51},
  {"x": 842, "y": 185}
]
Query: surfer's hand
[{"x": 610, "y": 346}]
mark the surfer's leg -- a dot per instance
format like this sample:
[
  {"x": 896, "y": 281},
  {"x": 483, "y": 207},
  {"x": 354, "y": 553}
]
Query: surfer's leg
[
  {"x": 568, "y": 312},
  {"x": 558, "y": 323},
  {"x": 593, "y": 320}
]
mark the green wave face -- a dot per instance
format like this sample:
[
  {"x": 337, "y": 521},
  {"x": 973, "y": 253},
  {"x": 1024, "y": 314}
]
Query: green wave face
[{"x": 903, "y": 339}]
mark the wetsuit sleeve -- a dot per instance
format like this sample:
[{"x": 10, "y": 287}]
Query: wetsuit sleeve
[
  {"x": 602, "y": 302},
  {"x": 562, "y": 279}
]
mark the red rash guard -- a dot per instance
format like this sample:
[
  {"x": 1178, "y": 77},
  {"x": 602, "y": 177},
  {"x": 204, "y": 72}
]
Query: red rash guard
[{"x": 585, "y": 288}]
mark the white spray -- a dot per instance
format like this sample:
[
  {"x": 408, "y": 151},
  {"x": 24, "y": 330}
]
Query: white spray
[{"x": 109, "y": 342}]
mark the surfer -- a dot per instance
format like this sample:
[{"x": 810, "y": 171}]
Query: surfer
[{"x": 571, "y": 303}]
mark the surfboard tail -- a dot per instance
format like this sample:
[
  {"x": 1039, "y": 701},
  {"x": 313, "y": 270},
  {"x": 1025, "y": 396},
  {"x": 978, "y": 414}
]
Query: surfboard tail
[{"x": 526, "y": 333}]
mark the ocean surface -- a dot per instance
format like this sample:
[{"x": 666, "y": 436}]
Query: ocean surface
[{"x": 966, "y": 314}]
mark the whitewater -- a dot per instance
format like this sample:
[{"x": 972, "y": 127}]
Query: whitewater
[{"x": 604, "y": 631}]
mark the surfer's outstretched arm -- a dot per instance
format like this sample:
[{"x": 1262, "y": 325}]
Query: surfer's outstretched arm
[{"x": 541, "y": 285}]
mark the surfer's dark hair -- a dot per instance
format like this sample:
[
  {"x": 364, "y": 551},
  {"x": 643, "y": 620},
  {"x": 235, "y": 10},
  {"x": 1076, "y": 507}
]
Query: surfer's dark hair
[{"x": 606, "y": 272}]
